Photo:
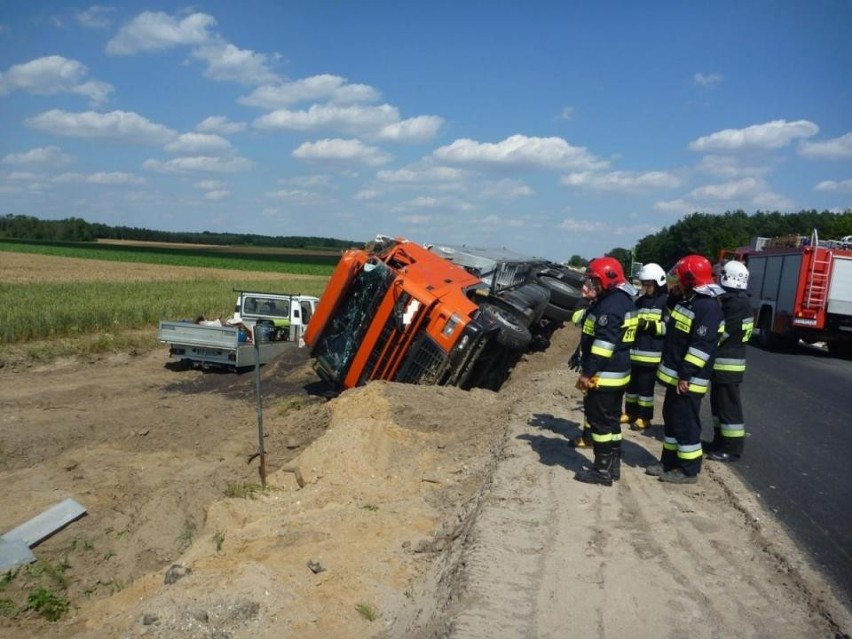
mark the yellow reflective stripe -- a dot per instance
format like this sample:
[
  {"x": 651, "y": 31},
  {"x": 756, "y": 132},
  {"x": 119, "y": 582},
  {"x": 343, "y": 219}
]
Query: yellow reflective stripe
[
  {"x": 689, "y": 454},
  {"x": 602, "y": 348},
  {"x": 692, "y": 359},
  {"x": 602, "y": 439},
  {"x": 613, "y": 379},
  {"x": 669, "y": 443},
  {"x": 645, "y": 359},
  {"x": 733, "y": 431},
  {"x": 697, "y": 386}
]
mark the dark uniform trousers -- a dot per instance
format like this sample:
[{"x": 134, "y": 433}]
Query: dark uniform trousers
[
  {"x": 728, "y": 423},
  {"x": 682, "y": 435},
  {"x": 603, "y": 410},
  {"x": 639, "y": 403}
]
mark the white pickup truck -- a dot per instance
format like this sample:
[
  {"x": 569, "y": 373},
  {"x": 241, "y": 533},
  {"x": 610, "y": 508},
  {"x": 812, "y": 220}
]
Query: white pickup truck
[{"x": 264, "y": 325}]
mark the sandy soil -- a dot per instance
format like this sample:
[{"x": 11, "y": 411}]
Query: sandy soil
[{"x": 425, "y": 512}]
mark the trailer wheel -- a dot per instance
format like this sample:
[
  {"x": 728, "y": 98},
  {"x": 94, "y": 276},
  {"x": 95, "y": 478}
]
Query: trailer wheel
[
  {"x": 512, "y": 333},
  {"x": 561, "y": 293}
]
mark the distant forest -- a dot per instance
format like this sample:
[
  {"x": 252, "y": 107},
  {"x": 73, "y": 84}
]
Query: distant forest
[
  {"x": 73, "y": 229},
  {"x": 707, "y": 234}
]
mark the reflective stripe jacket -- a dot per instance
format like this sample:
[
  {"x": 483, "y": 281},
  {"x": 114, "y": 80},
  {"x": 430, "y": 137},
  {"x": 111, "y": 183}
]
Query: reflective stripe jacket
[
  {"x": 609, "y": 329},
  {"x": 692, "y": 332},
  {"x": 651, "y": 310},
  {"x": 730, "y": 363}
]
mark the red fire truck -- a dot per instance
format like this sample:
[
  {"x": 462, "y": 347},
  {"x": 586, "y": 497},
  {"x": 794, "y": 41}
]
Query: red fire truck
[{"x": 800, "y": 288}]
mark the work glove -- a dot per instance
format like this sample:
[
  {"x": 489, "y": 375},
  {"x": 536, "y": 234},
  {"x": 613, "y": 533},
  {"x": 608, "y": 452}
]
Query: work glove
[
  {"x": 650, "y": 326},
  {"x": 574, "y": 360}
]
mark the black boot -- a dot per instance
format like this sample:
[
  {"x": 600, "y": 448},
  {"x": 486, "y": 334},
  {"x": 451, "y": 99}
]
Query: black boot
[
  {"x": 600, "y": 472},
  {"x": 615, "y": 468}
]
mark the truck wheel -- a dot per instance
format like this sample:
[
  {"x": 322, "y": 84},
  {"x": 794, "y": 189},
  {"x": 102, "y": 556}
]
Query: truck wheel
[
  {"x": 770, "y": 341},
  {"x": 561, "y": 293},
  {"x": 557, "y": 313},
  {"x": 840, "y": 348},
  {"x": 765, "y": 339},
  {"x": 512, "y": 333}
]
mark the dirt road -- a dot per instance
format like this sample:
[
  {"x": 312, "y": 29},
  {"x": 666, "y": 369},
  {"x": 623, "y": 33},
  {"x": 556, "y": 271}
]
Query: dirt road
[{"x": 425, "y": 512}]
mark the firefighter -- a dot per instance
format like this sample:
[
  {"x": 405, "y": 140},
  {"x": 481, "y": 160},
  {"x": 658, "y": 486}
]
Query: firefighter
[
  {"x": 584, "y": 439},
  {"x": 692, "y": 332},
  {"x": 646, "y": 351},
  {"x": 609, "y": 329},
  {"x": 730, "y": 364}
]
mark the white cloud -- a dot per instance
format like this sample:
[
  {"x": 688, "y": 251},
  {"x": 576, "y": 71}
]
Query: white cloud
[
  {"x": 771, "y": 135},
  {"x": 51, "y": 75},
  {"x": 325, "y": 87},
  {"x": 341, "y": 150},
  {"x": 567, "y": 113},
  {"x": 380, "y": 122},
  {"x": 199, "y": 144},
  {"x": 416, "y": 220},
  {"x": 296, "y": 196},
  {"x": 505, "y": 188},
  {"x": 101, "y": 177},
  {"x": 209, "y": 185},
  {"x": 201, "y": 163},
  {"x": 585, "y": 226},
  {"x": 728, "y": 190},
  {"x": 221, "y": 125},
  {"x": 156, "y": 31},
  {"x": 624, "y": 181},
  {"x": 421, "y": 175},
  {"x": 43, "y": 155},
  {"x": 420, "y": 128},
  {"x": 95, "y": 17},
  {"x": 122, "y": 127},
  {"x": 215, "y": 196},
  {"x": 115, "y": 177},
  {"x": 22, "y": 176},
  {"x": 365, "y": 195},
  {"x": 748, "y": 192},
  {"x": 707, "y": 79},
  {"x": 727, "y": 166},
  {"x": 844, "y": 186},
  {"x": 228, "y": 62},
  {"x": 834, "y": 149},
  {"x": 520, "y": 152}
]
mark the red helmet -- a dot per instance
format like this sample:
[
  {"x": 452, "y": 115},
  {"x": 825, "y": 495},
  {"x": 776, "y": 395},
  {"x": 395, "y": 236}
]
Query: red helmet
[
  {"x": 693, "y": 270},
  {"x": 607, "y": 270}
]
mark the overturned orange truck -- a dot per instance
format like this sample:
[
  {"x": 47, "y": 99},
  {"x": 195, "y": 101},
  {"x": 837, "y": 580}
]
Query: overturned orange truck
[{"x": 397, "y": 311}]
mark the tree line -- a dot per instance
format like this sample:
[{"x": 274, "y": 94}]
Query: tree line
[
  {"x": 73, "y": 229},
  {"x": 708, "y": 234}
]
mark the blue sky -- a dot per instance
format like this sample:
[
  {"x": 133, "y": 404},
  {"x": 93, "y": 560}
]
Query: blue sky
[{"x": 550, "y": 128}]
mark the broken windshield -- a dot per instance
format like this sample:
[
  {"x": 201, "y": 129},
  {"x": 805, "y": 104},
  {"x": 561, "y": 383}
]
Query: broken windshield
[{"x": 339, "y": 342}]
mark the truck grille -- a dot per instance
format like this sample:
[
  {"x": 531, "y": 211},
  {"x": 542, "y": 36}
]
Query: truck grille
[
  {"x": 424, "y": 364},
  {"x": 396, "y": 342}
]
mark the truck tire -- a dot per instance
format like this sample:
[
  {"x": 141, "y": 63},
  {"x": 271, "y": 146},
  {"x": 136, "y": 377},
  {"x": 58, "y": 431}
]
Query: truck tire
[
  {"x": 512, "y": 333},
  {"x": 770, "y": 341},
  {"x": 557, "y": 313},
  {"x": 840, "y": 349},
  {"x": 561, "y": 293}
]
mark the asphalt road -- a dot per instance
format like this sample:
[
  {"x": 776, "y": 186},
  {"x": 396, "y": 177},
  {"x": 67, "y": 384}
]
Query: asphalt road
[{"x": 798, "y": 455}]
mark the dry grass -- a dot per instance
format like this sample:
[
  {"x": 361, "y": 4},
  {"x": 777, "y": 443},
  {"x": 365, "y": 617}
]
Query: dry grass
[{"x": 29, "y": 268}]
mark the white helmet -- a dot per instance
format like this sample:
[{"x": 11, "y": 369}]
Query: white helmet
[
  {"x": 652, "y": 272},
  {"x": 734, "y": 275}
]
